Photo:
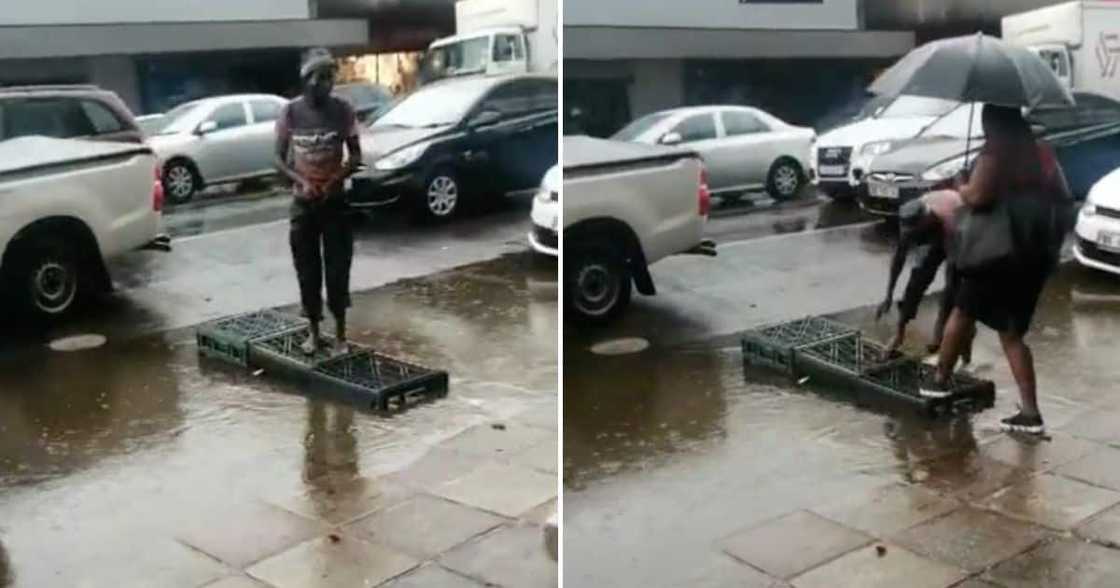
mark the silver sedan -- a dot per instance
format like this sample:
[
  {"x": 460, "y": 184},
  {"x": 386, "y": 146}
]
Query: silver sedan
[
  {"x": 219, "y": 140},
  {"x": 744, "y": 149}
]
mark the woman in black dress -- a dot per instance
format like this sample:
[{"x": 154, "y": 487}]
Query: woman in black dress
[{"x": 1015, "y": 167}]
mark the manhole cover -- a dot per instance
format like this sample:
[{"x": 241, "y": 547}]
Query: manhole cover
[
  {"x": 77, "y": 343},
  {"x": 620, "y": 346}
]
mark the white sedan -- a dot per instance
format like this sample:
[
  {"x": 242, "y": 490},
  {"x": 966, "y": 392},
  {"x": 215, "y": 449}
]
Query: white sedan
[
  {"x": 1098, "y": 226},
  {"x": 744, "y": 149}
]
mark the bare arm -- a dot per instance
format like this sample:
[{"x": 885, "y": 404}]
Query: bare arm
[
  {"x": 898, "y": 261},
  {"x": 979, "y": 191}
]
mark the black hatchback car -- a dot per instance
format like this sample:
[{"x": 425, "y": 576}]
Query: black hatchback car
[{"x": 478, "y": 137}]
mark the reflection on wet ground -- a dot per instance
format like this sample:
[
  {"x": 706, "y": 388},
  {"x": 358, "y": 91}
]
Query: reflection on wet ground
[
  {"x": 731, "y": 222},
  {"x": 683, "y": 466},
  {"x": 139, "y": 464}
]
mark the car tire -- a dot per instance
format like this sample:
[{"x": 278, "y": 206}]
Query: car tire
[
  {"x": 47, "y": 278},
  {"x": 785, "y": 179},
  {"x": 181, "y": 181},
  {"x": 441, "y": 197},
  {"x": 597, "y": 283}
]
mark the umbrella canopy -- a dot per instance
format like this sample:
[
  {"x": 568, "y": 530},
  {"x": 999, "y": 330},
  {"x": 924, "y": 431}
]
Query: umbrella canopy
[{"x": 975, "y": 68}]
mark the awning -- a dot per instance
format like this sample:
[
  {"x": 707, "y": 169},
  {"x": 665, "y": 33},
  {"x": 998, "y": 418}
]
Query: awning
[
  {"x": 611, "y": 43},
  {"x": 33, "y": 42}
]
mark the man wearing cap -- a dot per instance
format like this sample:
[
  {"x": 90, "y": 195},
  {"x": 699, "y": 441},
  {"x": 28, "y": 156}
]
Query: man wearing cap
[
  {"x": 926, "y": 221},
  {"x": 310, "y": 135}
]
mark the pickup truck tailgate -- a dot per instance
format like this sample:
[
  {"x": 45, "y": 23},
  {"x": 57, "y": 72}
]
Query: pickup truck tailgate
[{"x": 653, "y": 190}]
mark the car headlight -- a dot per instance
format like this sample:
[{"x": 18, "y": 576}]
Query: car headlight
[
  {"x": 877, "y": 148},
  {"x": 943, "y": 170},
  {"x": 401, "y": 157}
]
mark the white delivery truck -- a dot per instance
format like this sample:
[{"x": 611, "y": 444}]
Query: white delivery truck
[
  {"x": 496, "y": 37},
  {"x": 1079, "y": 40}
]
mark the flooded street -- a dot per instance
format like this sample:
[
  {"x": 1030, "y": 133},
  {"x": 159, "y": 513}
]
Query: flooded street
[
  {"x": 690, "y": 471},
  {"x": 138, "y": 463}
]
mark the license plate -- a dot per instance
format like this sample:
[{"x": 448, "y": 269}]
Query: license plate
[
  {"x": 883, "y": 191},
  {"x": 833, "y": 170},
  {"x": 1108, "y": 240}
]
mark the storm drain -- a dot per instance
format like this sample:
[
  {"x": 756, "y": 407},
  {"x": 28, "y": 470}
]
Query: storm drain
[
  {"x": 822, "y": 351},
  {"x": 270, "y": 341},
  {"x": 623, "y": 346},
  {"x": 77, "y": 343}
]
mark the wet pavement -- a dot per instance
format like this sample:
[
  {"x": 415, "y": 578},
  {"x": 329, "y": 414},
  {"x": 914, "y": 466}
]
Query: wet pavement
[
  {"x": 138, "y": 463},
  {"x": 682, "y": 469}
]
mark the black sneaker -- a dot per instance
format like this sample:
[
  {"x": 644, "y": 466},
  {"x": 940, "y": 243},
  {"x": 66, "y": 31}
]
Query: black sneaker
[
  {"x": 1021, "y": 423},
  {"x": 935, "y": 390}
]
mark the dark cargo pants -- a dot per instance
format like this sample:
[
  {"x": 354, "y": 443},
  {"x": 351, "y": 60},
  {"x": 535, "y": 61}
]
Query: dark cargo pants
[{"x": 322, "y": 244}]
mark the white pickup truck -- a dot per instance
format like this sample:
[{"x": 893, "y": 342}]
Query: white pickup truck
[
  {"x": 626, "y": 206},
  {"x": 67, "y": 207}
]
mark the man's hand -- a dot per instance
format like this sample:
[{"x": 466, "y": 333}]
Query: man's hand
[
  {"x": 309, "y": 190},
  {"x": 884, "y": 308}
]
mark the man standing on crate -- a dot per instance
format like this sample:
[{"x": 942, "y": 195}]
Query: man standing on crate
[{"x": 310, "y": 135}]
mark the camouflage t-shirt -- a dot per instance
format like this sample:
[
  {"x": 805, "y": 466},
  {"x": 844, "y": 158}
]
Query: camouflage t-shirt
[{"x": 316, "y": 140}]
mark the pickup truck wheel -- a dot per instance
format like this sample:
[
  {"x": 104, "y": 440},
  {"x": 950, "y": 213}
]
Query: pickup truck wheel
[
  {"x": 180, "y": 182},
  {"x": 47, "y": 276},
  {"x": 785, "y": 179},
  {"x": 598, "y": 284}
]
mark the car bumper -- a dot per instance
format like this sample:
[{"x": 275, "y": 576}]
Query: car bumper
[
  {"x": 376, "y": 188},
  {"x": 1086, "y": 250},
  {"x": 544, "y": 237}
]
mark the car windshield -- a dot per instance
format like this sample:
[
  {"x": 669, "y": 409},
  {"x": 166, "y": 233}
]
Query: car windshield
[
  {"x": 639, "y": 127},
  {"x": 363, "y": 94},
  {"x": 433, "y": 106},
  {"x": 178, "y": 119},
  {"x": 461, "y": 57},
  {"x": 905, "y": 106},
  {"x": 955, "y": 124}
]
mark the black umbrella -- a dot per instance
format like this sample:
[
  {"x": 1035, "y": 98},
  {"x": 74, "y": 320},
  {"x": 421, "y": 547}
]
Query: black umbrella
[{"x": 975, "y": 68}]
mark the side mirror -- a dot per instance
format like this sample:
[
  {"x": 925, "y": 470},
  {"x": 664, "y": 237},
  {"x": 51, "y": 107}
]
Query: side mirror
[
  {"x": 486, "y": 117},
  {"x": 207, "y": 127},
  {"x": 671, "y": 139}
]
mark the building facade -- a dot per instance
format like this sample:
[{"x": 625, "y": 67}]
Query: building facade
[
  {"x": 806, "y": 61},
  {"x": 159, "y": 54}
]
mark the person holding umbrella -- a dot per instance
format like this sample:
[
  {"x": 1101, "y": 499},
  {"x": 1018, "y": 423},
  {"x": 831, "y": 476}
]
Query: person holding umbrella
[{"x": 1008, "y": 236}]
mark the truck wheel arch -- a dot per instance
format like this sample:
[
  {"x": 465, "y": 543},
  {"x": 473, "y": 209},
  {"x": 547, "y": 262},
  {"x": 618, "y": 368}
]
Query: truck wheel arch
[
  {"x": 616, "y": 231},
  {"x": 82, "y": 238}
]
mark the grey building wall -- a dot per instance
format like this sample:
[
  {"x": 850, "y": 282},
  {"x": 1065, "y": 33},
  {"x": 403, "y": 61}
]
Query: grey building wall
[
  {"x": 54, "y": 12},
  {"x": 117, "y": 73},
  {"x": 714, "y": 14}
]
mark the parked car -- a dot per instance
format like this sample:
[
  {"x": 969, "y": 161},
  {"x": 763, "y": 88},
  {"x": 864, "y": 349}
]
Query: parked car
[
  {"x": 66, "y": 111},
  {"x": 1098, "y": 226},
  {"x": 70, "y": 207},
  {"x": 626, "y": 206},
  {"x": 457, "y": 139},
  {"x": 744, "y": 149},
  {"x": 841, "y": 157},
  {"x": 217, "y": 140},
  {"x": 369, "y": 100},
  {"x": 151, "y": 123},
  {"x": 545, "y": 236},
  {"x": 1086, "y": 139}
]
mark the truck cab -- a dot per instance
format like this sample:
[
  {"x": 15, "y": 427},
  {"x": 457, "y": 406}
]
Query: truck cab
[
  {"x": 493, "y": 51},
  {"x": 1057, "y": 56}
]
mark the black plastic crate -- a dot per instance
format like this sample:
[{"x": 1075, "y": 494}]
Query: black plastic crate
[
  {"x": 774, "y": 346},
  {"x": 828, "y": 353},
  {"x": 381, "y": 381},
  {"x": 362, "y": 377},
  {"x": 228, "y": 339}
]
